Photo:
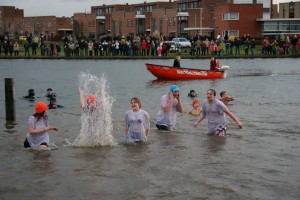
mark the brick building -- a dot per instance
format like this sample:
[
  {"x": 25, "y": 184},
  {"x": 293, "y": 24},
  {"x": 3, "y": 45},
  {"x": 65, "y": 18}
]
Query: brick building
[
  {"x": 238, "y": 20},
  {"x": 14, "y": 24},
  {"x": 84, "y": 24},
  {"x": 9, "y": 19},
  {"x": 289, "y": 10},
  {"x": 173, "y": 18}
]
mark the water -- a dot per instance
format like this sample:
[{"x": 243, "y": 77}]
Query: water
[
  {"x": 260, "y": 161},
  {"x": 96, "y": 125}
]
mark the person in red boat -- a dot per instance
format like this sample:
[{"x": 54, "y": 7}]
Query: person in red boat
[
  {"x": 214, "y": 64},
  {"x": 177, "y": 62}
]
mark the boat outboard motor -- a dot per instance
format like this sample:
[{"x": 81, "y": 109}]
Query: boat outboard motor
[{"x": 224, "y": 67}]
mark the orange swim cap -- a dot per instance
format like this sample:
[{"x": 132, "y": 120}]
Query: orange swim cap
[
  {"x": 195, "y": 101},
  {"x": 91, "y": 98},
  {"x": 40, "y": 107}
]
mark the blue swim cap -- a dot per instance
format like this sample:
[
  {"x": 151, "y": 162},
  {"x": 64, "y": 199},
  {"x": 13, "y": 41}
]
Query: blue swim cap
[{"x": 174, "y": 88}]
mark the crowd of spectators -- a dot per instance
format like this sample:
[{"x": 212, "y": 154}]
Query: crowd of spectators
[{"x": 147, "y": 45}]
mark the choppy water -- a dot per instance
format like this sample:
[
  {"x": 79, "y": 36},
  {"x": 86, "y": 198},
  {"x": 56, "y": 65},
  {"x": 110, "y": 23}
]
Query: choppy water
[{"x": 261, "y": 161}]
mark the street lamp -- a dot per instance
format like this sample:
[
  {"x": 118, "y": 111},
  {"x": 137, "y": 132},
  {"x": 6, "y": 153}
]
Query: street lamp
[
  {"x": 167, "y": 23},
  {"x": 201, "y": 13}
]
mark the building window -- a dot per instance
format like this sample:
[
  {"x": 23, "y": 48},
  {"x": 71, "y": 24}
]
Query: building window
[
  {"x": 90, "y": 24},
  {"x": 139, "y": 8},
  {"x": 132, "y": 23},
  {"x": 169, "y": 21},
  {"x": 149, "y": 8},
  {"x": 231, "y": 32},
  {"x": 231, "y": 16},
  {"x": 182, "y": 7},
  {"x": 154, "y": 25},
  {"x": 183, "y": 18},
  {"x": 100, "y": 12},
  {"x": 128, "y": 22},
  {"x": 109, "y": 10},
  {"x": 194, "y": 4},
  {"x": 174, "y": 21}
]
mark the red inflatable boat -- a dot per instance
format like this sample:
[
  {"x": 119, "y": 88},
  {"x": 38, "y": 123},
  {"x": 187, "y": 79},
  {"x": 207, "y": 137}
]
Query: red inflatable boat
[{"x": 172, "y": 73}]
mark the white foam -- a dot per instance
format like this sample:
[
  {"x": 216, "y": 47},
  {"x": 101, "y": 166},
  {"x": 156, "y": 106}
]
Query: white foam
[{"x": 96, "y": 128}]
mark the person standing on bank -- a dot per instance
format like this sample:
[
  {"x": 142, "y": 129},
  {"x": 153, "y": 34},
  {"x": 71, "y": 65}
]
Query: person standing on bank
[
  {"x": 137, "y": 123},
  {"x": 214, "y": 110},
  {"x": 177, "y": 62},
  {"x": 38, "y": 128},
  {"x": 170, "y": 104}
]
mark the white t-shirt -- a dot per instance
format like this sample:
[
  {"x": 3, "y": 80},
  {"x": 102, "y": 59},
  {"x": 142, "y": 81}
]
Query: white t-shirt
[
  {"x": 137, "y": 123},
  {"x": 35, "y": 140},
  {"x": 167, "y": 118}
]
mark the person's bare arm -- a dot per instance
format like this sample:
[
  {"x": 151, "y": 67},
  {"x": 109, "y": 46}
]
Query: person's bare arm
[
  {"x": 198, "y": 121},
  {"x": 39, "y": 131},
  {"x": 179, "y": 105},
  {"x": 81, "y": 101},
  {"x": 233, "y": 117},
  {"x": 167, "y": 107}
]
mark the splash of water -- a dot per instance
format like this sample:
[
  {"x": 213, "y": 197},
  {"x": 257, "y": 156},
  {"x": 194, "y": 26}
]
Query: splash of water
[{"x": 96, "y": 127}]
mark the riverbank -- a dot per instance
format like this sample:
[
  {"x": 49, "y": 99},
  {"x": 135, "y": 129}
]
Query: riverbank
[{"x": 171, "y": 56}]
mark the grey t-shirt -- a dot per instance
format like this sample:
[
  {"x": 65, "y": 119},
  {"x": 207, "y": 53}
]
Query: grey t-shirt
[
  {"x": 35, "y": 140},
  {"x": 214, "y": 112}
]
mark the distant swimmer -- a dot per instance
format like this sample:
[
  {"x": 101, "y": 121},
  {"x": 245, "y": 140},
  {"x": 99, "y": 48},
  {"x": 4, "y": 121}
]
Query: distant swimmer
[
  {"x": 196, "y": 110},
  {"x": 50, "y": 93},
  {"x": 225, "y": 98},
  {"x": 31, "y": 95},
  {"x": 192, "y": 93},
  {"x": 53, "y": 104}
]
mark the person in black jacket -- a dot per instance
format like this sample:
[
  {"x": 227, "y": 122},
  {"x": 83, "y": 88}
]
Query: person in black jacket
[{"x": 177, "y": 62}]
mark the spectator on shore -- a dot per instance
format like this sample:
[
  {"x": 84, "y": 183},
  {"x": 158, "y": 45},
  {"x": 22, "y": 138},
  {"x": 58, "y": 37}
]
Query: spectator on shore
[{"x": 16, "y": 48}]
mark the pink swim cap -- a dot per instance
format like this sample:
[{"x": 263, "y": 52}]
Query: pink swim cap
[{"x": 91, "y": 98}]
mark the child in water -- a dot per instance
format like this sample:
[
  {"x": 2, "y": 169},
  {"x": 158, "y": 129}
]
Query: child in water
[
  {"x": 196, "y": 110},
  {"x": 38, "y": 128}
]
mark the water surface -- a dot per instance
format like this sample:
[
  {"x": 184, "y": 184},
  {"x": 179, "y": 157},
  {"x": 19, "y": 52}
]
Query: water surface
[{"x": 260, "y": 161}]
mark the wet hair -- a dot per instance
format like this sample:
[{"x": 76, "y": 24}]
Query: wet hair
[
  {"x": 214, "y": 91},
  {"x": 136, "y": 100},
  {"x": 222, "y": 93},
  {"x": 40, "y": 116}
]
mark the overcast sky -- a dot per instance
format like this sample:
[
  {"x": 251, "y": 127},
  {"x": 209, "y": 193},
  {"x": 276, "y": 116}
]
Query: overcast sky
[{"x": 67, "y": 8}]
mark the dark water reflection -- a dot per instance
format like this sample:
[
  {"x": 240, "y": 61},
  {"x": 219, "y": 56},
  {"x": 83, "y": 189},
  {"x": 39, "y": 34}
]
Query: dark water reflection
[{"x": 261, "y": 161}]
